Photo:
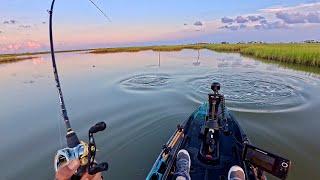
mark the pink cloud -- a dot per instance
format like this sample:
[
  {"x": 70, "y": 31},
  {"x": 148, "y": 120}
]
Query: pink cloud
[{"x": 27, "y": 46}]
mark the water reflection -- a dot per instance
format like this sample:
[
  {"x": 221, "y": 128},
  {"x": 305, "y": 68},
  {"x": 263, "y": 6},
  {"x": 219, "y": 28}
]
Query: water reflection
[
  {"x": 142, "y": 97},
  {"x": 197, "y": 63}
]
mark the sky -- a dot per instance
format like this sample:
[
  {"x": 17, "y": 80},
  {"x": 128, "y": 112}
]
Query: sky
[{"x": 79, "y": 25}]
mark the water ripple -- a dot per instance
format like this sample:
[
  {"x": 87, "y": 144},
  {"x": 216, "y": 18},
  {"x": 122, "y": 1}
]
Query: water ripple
[
  {"x": 146, "y": 81},
  {"x": 254, "y": 91}
]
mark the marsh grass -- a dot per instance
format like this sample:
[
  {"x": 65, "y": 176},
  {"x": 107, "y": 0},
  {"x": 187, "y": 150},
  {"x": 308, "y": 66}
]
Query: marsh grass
[
  {"x": 137, "y": 49},
  {"x": 13, "y": 58},
  {"x": 304, "y": 54},
  {"x": 297, "y": 67},
  {"x": 5, "y": 58}
]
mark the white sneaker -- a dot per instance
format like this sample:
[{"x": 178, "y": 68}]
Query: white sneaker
[
  {"x": 183, "y": 163},
  {"x": 236, "y": 173}
]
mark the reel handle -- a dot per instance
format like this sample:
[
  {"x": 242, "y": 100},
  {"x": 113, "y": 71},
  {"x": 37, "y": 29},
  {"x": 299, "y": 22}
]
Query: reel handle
[
  {"x": 98, "y": 168},
  {"x": 75, "y": 177},
  {"x": 100, "y": 126}
]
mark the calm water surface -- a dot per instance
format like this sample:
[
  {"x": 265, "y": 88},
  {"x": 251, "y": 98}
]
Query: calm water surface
[{"x": 142, "y": 100}]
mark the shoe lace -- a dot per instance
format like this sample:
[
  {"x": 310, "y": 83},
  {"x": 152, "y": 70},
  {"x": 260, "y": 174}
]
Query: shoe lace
[{"x": 182, "y": 165}]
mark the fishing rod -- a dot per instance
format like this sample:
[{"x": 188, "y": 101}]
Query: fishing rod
[{"x": 76, "y": 149}]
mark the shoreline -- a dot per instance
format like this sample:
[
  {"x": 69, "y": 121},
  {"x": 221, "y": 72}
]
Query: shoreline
[
  {"x": 12, "y": 58},
  {"x": 299, "y": 53}
]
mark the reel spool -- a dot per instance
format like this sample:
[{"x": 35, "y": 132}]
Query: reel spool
[{"x": 65, "y": 155}]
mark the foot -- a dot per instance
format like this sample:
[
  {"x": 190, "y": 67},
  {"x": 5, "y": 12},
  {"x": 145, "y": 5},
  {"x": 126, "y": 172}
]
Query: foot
[
  {"x": 236, "y": 173},
  {"x": 183, "y": 164}
]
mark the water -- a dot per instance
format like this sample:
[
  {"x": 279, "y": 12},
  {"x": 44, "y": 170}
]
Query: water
[{"x": 142, "y": 100}]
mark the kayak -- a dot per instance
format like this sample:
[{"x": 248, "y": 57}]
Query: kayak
[{"x": 212, "y": 159}]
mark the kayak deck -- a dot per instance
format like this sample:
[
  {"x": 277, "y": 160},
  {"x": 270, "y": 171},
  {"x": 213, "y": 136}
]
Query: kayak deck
[
  {"x": 229, "y": 154},
  {"x": 189, "y": 138},
  {"x": 230, "y": 149},
  {"x": 216, "y": 142}
]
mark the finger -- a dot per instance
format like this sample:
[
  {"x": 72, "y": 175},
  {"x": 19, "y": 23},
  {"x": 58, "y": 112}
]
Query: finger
[
  {"x": 66, "y": 171},
  {"x": 87, "y": 176},
  {"x": 97, "y": 176}
]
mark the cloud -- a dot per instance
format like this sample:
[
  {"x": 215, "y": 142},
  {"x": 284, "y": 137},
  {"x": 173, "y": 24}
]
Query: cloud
[
  {"x": 263, "y": 21},
  {"x": 255, "y": 18},
  {"x": 10, "y": 22},
  {"x": 271, "y": 25},
  {"x": 234, "y": 27},
  {"x": 300, "y": 14},
  {"x": 1, "y": 31},
  {"x": 198, "y": 23},
  {"x": 242, "y": 26},
  {"x": 44, "y": 22},
  {"x": 296, "y": 18},
  {"x": 13, "y": 21},
  {"x": 305, "y": 7},
  {"x": 25, "y": 26},
  {"x": 262, "y": 25},
  {"x": 24, "y": 46},
  {"x": 241, "y": 19},
  {"x": 313, "y": 17},
  {"x": 291, "y": 18},
  {"x": 258, "y": 26},
  {"x": 227, "y": 20}
]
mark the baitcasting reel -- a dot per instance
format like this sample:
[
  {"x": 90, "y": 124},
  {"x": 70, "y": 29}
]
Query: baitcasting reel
[{"x": 84, "y": 152}]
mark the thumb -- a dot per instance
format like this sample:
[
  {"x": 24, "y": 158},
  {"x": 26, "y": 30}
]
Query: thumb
[{"x": 66, "y": 171}]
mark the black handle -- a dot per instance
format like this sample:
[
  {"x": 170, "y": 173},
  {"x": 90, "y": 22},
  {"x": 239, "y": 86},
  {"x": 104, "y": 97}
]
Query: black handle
[
  {"x": 98, "y": 127},
  {"x": 75, "y": 177},
  {"x": 98, "y": 168}
]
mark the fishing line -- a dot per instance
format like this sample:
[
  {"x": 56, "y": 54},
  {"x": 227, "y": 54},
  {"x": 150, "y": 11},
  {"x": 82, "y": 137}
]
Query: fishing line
[{"x": 103, "y": 13}]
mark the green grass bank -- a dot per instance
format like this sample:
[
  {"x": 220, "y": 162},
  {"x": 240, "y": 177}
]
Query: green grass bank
[
  {"x": 13, "y": 58},
  {"x": 7, "y": 58},
  {"x": 304, "y": 54},
  {"x": 301, "y": 54}
]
